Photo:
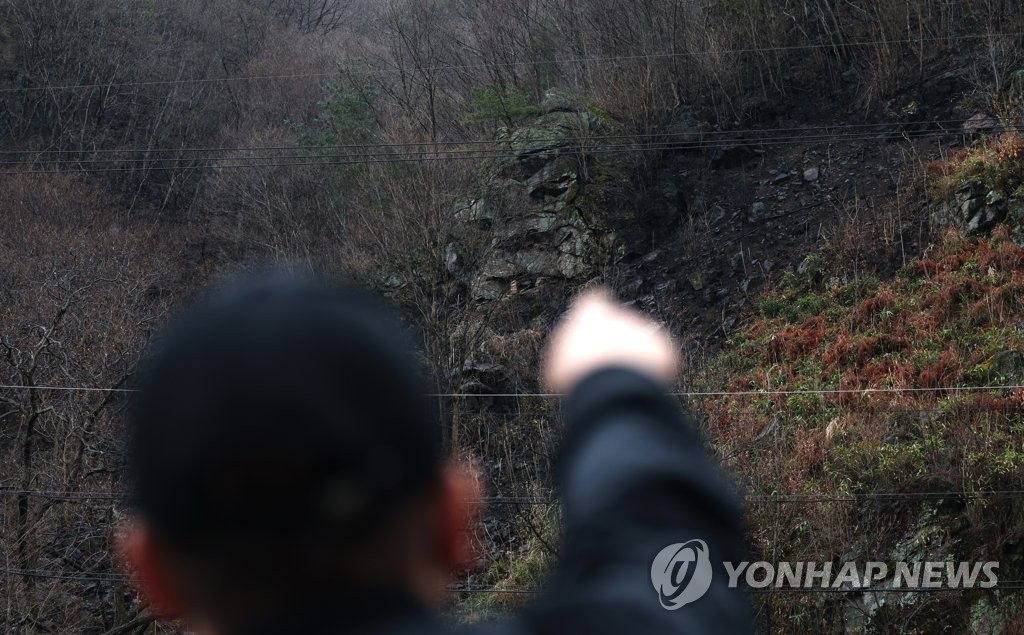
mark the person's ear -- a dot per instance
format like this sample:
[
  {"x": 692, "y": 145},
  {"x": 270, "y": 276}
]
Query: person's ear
[
  {"x": 141, "y": 555},
  {"x": 460, "y": 509}
]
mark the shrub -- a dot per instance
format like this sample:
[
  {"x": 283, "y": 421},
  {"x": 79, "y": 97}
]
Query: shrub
[
  {"x": 997, "y": 164},
  {"x": 494, "y": 103},
  {"x": 346, "y": 115}
]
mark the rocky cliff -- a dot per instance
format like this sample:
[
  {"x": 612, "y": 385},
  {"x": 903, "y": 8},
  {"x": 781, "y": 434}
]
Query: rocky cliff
[{"x": 551, "y": 213}]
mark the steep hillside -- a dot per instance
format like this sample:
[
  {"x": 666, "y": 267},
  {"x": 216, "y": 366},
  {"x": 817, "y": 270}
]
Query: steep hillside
[
  {"x": 858, "y": 360},
  {"x": 910, "y": 362},
  {"x": 768, "y": 178}
]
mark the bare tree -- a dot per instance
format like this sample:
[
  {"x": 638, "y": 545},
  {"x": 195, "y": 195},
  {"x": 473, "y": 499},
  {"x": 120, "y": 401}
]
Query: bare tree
[
  {"x": 82, "y": 291},
  {"x": 321, "y": 16},
  {"x": 420, "y": 53}
]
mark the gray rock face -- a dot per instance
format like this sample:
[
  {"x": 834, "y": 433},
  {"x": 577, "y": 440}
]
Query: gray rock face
[
  {"x": 995, "y": 197},
  {"x": 979, "y": 210},
  {"x": 553, "y": 132},
  {"x": 969, "y": 207},
  {"x": 474, "y": 211},
  {"x": 453, "y": 261},
  {"x": 557, "y": 100},
  {"x": 544, "y": 209},
  {"x": 556, "y": 133},
  {"x": 982, "y": 124}
]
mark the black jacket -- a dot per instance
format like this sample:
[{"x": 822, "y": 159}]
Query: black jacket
[{"x": 634, "y": 479}]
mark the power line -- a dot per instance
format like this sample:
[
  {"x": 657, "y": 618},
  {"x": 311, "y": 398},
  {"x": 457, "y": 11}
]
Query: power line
[
  {"x": 493, "y": 590},
  {"x": 756, "y": 414},
  {"x": 52, "y": 575},
  {"x": 65, "y": 496},
  {"x": 746, "y": 393},
  {"x": 488, "y": 142},
  {"x": 723, "y": 393},
  {"x": 886, "y": 496},
  {"x": 587, "y": 145},
  {"x": 823, "y": 409},
  {"x": 548, "y": 500},
  {"x": 114, "y": 577},
  {"x": 121, "y": 496},
  {"x": 1007, "y": 585},
  {"x": 485, "y": 65},
  {"x": 450, "y": 155},
  {"x": 762, "y": 393},
  {"x": 836, "y": 409},
  {"x": 67, "y": 388}
]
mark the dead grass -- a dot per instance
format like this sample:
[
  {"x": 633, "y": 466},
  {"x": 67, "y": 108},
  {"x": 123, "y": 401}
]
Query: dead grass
[
  {"x": 932, "y": 329},
  {"x": 997, "y": 164}
]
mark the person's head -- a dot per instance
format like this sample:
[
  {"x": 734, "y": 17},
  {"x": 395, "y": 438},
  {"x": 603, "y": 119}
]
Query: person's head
[{"x": 283, "y": 451}]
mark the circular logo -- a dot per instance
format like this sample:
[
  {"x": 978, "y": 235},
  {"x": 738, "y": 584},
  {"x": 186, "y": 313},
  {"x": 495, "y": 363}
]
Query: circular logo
[{"x": 681, "y": 573}]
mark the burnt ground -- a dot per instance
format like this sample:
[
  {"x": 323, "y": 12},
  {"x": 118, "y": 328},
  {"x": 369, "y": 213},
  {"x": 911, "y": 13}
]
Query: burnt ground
[
  {"x": 742, "y": 212},
  {"x": 744, "y": 221}
]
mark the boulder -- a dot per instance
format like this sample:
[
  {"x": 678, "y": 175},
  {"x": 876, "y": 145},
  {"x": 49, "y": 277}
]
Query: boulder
[
  {"x": 572, "y": 266},
  {"x": 474, "y": 211},
  {"x": 558, "y": 178},
  {"x": 537, "y": 262},
  {"x": 812, "y": 267},
  {"x": 549, "y": 135},
  {"x": 453, "y": 261},
  {"x": 973, "y": 207},
  {"x": 757, "y": 213},
  {"x": 697, "y": 281},
  {"x": 558, "y": 100},
  {"x": 488, "y": 290},
  {"x": 982, "y": 123},
  {"x": 995, "y": 198},
  {"x": 970, "y": 207},
  {"x": 984, "y": 220}
]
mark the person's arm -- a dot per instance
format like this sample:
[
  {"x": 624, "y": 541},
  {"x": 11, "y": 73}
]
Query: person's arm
[{"x": 634, "y": 481}]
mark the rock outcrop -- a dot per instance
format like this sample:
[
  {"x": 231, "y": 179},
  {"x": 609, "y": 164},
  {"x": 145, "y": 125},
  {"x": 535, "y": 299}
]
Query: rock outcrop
[
  {"x": 546, "y": 211},
  {"x": 979, "y": 209}
]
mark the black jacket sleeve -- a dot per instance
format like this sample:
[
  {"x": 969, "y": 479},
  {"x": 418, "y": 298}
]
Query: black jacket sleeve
[{"x": 634, "y": 480}]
